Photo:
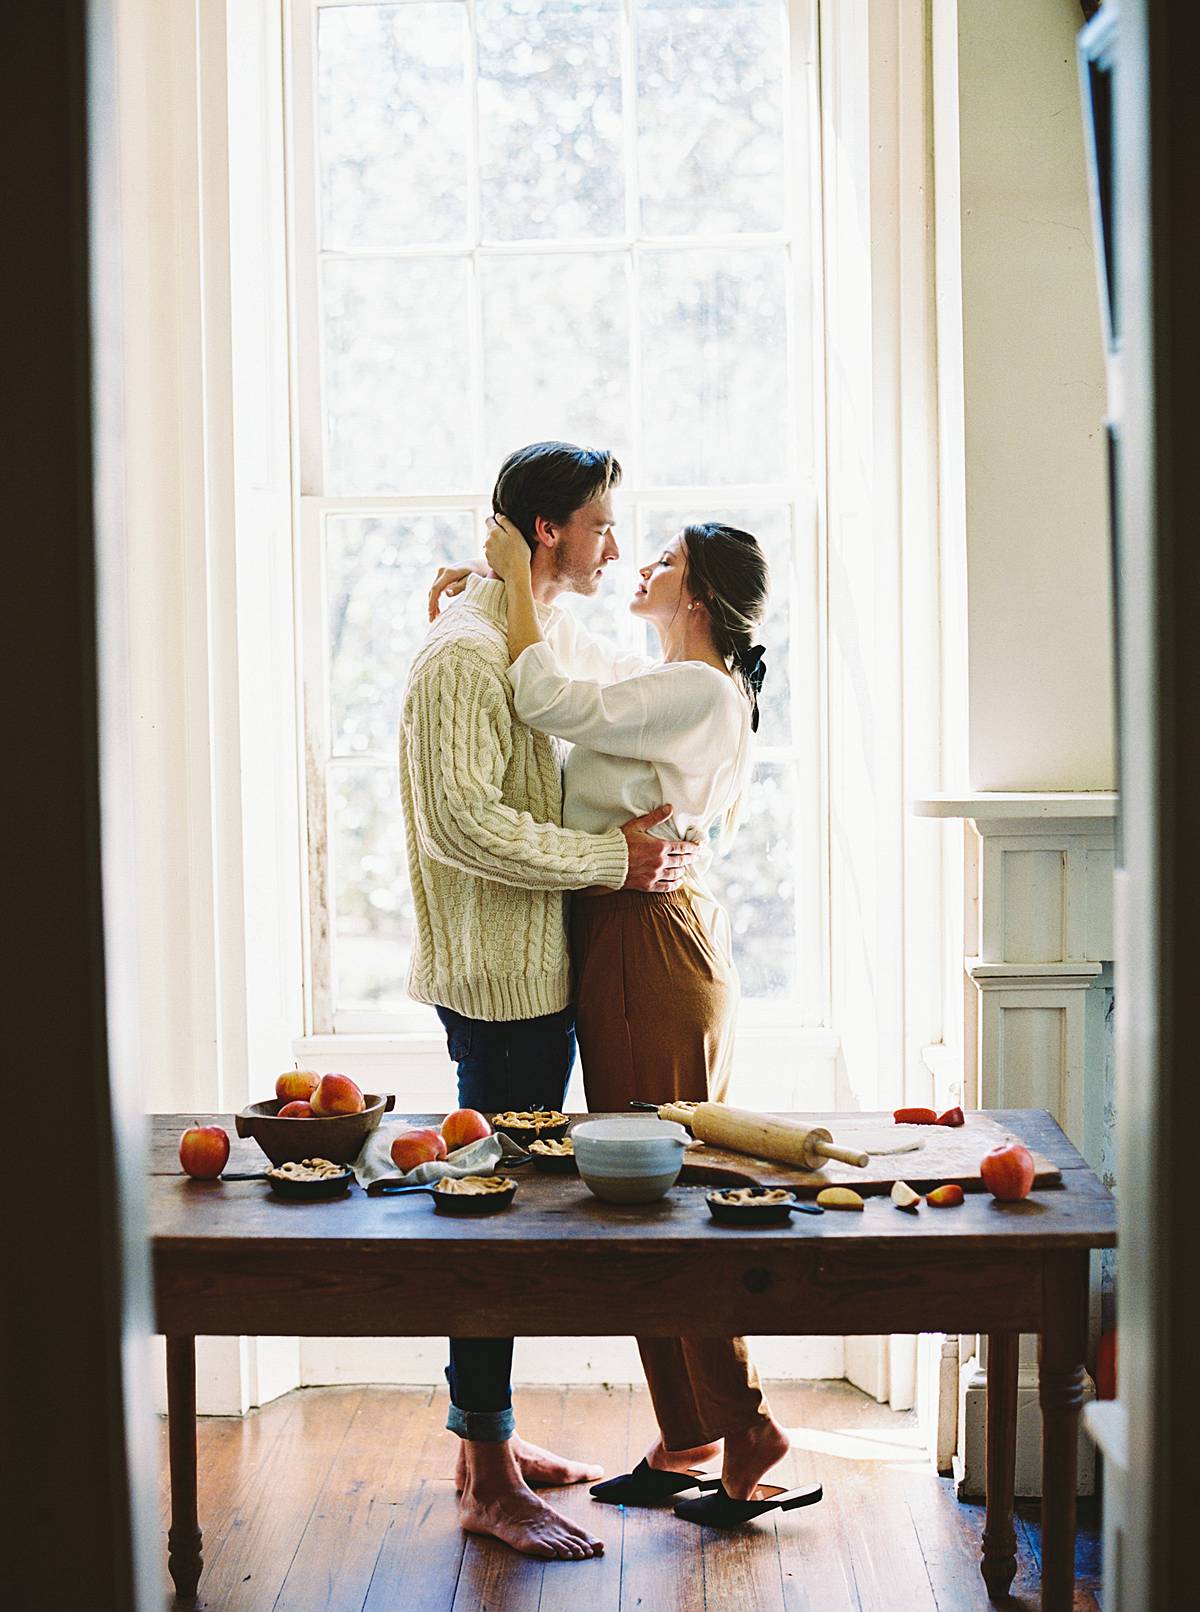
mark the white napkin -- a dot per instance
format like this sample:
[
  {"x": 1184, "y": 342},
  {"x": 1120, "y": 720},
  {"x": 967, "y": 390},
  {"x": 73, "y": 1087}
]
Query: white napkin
[{"x": 477, "y": 1158}]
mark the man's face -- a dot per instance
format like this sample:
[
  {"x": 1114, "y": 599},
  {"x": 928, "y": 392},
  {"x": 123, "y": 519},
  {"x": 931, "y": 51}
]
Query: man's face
[{"x": 585, "y": 545}]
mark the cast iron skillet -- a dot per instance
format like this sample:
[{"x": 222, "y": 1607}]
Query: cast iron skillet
[
  {"x": 330, "y": 1186},
  {"x": 450, "y": 1203},
  {"x": 755, "y": 1214}
]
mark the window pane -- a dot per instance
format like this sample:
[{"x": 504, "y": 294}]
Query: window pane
[
  {"x": 397, "y": 389},
  {"x": 714, "y": 367},
  {"x": 378, "y": 572},
  {"x": 755, "y": 882},
  {"x": 771, "y": 524},
  {"x": 550, "y": 119},
  {"x": 710, "y": 115},
  {"x": 373, "y": 916},
  {"x": 556, "y": 351},
  {"x": 394, "y": 119}
]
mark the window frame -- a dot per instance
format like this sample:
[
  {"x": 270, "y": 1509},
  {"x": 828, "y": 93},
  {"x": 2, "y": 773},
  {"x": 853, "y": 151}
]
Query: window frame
[{"x": 802, "y": 494}]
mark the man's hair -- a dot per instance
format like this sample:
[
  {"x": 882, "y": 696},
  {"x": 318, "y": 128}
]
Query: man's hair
[{"x": 551, "y": 479}]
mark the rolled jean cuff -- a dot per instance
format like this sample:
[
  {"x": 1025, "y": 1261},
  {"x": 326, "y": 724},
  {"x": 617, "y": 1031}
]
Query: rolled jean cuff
[{"x": 482, "y": 1427}]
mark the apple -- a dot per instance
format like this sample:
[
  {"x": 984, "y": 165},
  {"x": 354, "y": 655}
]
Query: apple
[
  {"x": 297, "y": 1085},
  {"x": 464, "y": 1126},
  {"x": 416, "y": 1146},
  {"x": 337, "y": 1094},
  {"x": 947, "y": 1197},
  {"x": 296, "y": 1111},
  {"x": 1007, "y": 1171},
  {"x": 204, "y": 1151}
]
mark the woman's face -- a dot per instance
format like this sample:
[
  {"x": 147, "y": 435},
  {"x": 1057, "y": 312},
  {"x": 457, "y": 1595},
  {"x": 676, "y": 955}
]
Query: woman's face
[{"x": 662, "y": 593}]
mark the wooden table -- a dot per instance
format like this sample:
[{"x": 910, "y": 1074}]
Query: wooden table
[{"x": 230, "y": 1258}]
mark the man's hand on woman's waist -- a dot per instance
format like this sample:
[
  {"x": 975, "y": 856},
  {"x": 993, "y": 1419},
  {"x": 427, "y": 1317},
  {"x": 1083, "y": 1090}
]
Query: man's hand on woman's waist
[{"x": 654, "y": 863}]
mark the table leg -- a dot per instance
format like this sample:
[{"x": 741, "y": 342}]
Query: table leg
[
  {"x": 183, "y": 1540},
  {"x": 1061, "y": 1352},
  {"x": 999, "y": 1565}
]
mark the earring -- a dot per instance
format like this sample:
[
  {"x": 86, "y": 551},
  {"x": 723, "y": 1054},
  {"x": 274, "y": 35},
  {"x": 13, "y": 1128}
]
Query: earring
[{"x": 692, "y": 606}]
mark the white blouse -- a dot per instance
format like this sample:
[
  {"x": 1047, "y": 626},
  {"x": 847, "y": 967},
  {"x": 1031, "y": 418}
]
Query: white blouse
[{"x": 643, "y": 733}]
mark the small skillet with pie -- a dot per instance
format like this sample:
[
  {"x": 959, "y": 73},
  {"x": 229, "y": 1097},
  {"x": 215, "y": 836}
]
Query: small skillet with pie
[
  {"x": 458, "y": 1194},
  {"x": 756, "y": 1206},
  {"x": 528, "y": 1125},
  {"x": 554, "y": 1155}
]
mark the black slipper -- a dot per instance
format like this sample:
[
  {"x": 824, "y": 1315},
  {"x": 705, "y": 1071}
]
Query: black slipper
[
  {"x": 717, "y": 1510},
  {"x": 649, "y": 1486}
]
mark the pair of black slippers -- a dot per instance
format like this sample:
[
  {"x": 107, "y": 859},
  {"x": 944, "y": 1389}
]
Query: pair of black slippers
[{"x": 648, "y": 1486}]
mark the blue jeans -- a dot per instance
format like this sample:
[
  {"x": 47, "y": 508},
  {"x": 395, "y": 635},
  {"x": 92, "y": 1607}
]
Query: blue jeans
[{"x": 523, "y": 1063}]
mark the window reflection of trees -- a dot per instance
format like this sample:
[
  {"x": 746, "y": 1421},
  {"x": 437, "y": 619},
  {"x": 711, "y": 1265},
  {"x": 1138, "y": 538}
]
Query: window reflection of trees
[{"x": 563, "y": 338}]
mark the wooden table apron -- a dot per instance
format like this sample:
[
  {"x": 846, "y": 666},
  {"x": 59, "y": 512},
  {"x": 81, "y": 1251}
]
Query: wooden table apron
[{"x": 229, "y": 1258}]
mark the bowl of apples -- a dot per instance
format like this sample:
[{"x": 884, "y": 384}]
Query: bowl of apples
[{"x": 313, "y": 1116}]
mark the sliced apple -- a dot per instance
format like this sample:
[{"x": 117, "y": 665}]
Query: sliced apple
[{"x": 904, "y": 1197}]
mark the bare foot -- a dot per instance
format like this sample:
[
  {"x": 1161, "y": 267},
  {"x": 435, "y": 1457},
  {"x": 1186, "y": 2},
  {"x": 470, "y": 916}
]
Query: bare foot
[
  {"x": 497, "y": 1501},
  {"x": 541, "y": 1469},
  {"x": 750, "y": 1455},
  {"x": 665, "y": 1460}
]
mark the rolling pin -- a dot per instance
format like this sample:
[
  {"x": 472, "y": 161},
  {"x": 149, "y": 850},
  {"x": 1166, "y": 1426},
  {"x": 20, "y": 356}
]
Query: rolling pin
[{"x": 785, "y": 1141}]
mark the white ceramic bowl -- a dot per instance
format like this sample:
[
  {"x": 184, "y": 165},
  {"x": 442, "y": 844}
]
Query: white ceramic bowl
[{"x": 633, "y": 1160}]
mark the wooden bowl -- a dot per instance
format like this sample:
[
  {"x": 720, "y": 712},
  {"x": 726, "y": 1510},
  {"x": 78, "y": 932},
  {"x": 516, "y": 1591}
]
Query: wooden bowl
[{"x": 340, "y": 1138}]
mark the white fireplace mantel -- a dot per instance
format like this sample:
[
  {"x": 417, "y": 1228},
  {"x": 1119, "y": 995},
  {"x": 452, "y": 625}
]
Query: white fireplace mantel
[{"x": 1036, "y": 974}]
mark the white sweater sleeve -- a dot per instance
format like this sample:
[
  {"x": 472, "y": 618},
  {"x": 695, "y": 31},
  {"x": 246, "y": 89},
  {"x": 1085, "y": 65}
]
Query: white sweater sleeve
[
  {"x": 664, "y": 715},
  {"x": 458, "y": 748}
]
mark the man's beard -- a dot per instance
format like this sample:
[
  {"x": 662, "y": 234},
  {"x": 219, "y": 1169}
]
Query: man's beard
[{"x": 571, "y": 575}]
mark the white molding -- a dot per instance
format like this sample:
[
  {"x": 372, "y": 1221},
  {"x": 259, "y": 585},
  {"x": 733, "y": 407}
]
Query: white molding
[
  {"x": 1031, "y": 976},
  {"x": 419, "y": 1362},
  {"x": 1017, "y": 805}
]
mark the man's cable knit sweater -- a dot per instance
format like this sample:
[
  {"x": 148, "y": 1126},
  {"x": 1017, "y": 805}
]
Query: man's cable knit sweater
[{"x": 488, "y": 861}]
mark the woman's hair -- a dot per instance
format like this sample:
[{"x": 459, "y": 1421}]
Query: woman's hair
[
  {"x": 727, "y": 573},
  {"x": 551, "y": 479}
]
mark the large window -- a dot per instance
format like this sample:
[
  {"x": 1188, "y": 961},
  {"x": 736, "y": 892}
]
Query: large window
[{"x": 518, "y": 219}]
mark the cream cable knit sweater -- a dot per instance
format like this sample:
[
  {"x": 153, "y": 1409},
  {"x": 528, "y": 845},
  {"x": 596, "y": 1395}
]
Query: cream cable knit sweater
[{"x": 482, "y": 798}]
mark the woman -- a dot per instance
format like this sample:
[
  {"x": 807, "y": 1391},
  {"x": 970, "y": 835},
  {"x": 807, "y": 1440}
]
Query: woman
[{"x": 656, "y": 988}]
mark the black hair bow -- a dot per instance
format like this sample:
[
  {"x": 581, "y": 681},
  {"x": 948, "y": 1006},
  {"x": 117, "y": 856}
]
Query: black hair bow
[{"x": 753, "y": 666}]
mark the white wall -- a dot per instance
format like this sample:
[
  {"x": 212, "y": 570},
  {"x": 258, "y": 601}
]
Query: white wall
[{"x": 1033, "y": 402}]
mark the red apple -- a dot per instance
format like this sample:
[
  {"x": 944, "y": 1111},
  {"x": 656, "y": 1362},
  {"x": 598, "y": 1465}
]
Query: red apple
[
  {"x": 204, "y": 1151},
  {"x": 297, "y": 1085},
  {"x": 1007, "y": 1171},
  {"x": 296, "y": 1111},
  {"x": 464, "y": 1126},
  {"x": 417, "y": 1146},
  {"x": 337, "y": 1094}
]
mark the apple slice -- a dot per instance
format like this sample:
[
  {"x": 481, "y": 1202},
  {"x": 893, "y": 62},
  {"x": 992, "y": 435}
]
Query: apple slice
[{"x": 904, "y": 1197}]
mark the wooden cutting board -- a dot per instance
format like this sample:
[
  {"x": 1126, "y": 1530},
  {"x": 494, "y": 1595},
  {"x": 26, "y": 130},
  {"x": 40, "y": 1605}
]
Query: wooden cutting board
[{"x": 934, "y": 1155}]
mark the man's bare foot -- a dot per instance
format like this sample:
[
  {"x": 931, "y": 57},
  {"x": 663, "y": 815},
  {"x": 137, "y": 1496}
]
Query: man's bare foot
[
  {"x": 541, "y": 1469},
  {"x": 750, "y": 1455},
  {"x": 680, "y": 1460},
  {"x": 497, "y": 1501}
]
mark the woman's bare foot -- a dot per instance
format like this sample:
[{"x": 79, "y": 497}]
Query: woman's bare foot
[
  {"x": 497, "y": 1501},
  {"x": 541, "y": 1469},
  {"x": 680, "y": 1460},
  {"x": 750, "y": 1455}
]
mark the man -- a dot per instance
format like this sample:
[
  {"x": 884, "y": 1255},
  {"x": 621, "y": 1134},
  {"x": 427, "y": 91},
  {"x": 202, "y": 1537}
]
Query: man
[{"x": 490, "y": 866}]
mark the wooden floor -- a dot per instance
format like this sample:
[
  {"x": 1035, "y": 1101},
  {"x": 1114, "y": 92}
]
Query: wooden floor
[{"x": 339, "y": 1500}]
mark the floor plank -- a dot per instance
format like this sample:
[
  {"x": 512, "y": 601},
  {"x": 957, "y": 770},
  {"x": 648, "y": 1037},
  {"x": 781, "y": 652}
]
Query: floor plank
[
  {"x": 342, "y": 1500},
  {"x": 424, "y": 1544},
  {"x": 369, "y": 1478},
  {"x": 594, "y": 1427},
  {"x": 247, "y": 1559}
]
